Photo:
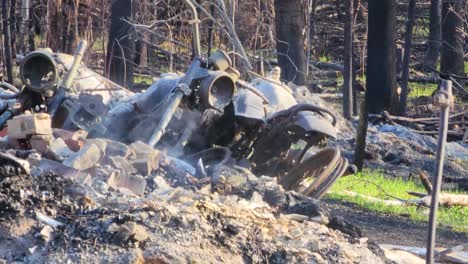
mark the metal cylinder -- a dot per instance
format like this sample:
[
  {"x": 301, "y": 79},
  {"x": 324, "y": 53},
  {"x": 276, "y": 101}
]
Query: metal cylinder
[
  {"x": 79, "y": 53},
  {"x": 444, "y": 99}
]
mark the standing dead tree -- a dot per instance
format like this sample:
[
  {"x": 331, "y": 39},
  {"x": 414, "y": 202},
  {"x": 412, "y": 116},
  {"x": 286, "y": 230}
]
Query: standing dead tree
[
  {"x": 290, "y": 40},
  {"x": 381, "y": 57},
  {"x": 406, "y": 56},
  {"x": 7, "y": 40},
  {"x": 452, "y": 53},
  {"x": 435, "y": 34},
  {"x": 121, "y": 46},
  {"x": 348, "y": 61}
]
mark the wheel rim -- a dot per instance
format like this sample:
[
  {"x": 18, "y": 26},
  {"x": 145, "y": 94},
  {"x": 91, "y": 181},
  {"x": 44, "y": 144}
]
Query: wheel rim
[{"x": 319, "y": 166}]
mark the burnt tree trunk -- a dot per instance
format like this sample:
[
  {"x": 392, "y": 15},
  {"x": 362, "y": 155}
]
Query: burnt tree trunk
[
  {"x": 381, "y": 57},
  {"x": 452, "y": 53},
  {"x": 13, "y": 26},
  {"x": 55, "y": 25},
  {"x": 70, "y": 17},
  {"x": 7, "y": 40},
  {"x": 360, "y": 147},
  {"x": 121, "y": 47},
  {"x": 348, "y": 61},
  {"x": 290, "y": 23},
  {"x": 32, "y": 27},
  {"x": 435, "y": 35},
  {"x": 406, "y": 57}
]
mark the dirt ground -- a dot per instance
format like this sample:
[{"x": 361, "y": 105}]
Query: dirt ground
[{"x": 391, "y": 229}]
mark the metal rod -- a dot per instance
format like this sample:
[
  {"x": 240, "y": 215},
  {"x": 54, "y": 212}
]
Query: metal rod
[
  {"x": 174, "y": 102},
  {"x": 182, "y": 89},
  {"x": 79, "y": 53},
  {"x": 195, "y": 29},
  {"x": 61, "y": 94},
  {"x": 444, "y": 99}
]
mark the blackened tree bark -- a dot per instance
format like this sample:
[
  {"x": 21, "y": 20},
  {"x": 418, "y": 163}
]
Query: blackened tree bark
[
  {"x": 7, "y": 40},
  {"x": 435, "y": 35},
  {"x": 121, "y": 46},
  {"x": 381, "y": 57},
  {"x": 290, "y": 23},
  {"x": 451, "y": 61},
  {"x": 406, "y": 57},
  {"x": 13, "y": 24},
  {"x": 348, "y": 61},
  {"x": 360, "y": 147}
]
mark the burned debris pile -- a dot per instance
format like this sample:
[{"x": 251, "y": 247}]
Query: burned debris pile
[{"x": 197, "y": 168}]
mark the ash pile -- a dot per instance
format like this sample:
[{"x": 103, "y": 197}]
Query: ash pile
[{"x": 202, "y": 167}]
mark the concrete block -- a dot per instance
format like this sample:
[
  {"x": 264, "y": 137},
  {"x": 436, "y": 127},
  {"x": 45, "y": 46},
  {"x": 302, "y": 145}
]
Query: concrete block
[
  {"x": 23, "y": 126},
  {"x": 84, "y": 159}
]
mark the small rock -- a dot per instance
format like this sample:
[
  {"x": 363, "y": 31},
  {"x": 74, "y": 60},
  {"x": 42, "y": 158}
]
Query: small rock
[
  {"x": 46, "y": 233},
  {"x": 339, "y": 223},
  {"x": 134, "y": 183},
  {"x": 32, "y": 249},
  {"x": 84, "y": 159},
  {"x": 129, "y": 230},
  {"x": 161, "y": 183}
]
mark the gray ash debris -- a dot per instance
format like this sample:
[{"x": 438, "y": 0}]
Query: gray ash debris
[
  {"x": 22, "y": 193},
  {"x": 256, "y": 223}
]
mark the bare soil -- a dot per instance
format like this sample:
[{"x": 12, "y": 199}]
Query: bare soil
[{"x": 391, "y": 229}]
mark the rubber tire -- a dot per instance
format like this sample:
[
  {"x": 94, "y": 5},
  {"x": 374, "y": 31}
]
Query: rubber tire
[
  {"x": 326, "y": 160},
  {"x": 320, "y": 191}
]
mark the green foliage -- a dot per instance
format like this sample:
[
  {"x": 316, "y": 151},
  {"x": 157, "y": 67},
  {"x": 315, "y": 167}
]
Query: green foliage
[
  {"x": 418, "y": 89},
  {"x": 376, "y": 184},
  {"x": 142, "y": 79}
]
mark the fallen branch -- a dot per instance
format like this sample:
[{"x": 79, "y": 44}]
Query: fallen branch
[{"x": 446, "y": 199}]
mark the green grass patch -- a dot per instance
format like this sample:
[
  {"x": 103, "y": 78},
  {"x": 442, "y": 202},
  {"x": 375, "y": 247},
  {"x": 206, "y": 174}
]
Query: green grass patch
[
  {"x": 324, "y": 58},
  {"x": 377, "y": 185},
  {"x": 142, "y": 79},
  {"x": 417, "y": 89}
]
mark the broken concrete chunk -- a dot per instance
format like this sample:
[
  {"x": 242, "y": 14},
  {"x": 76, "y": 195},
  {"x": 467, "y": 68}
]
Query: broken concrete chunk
[
  {"x": 84, "y": 159},
  {"x": 22, "y": 126},
  {"x": 40, "y": 142},
  {"x": 123, "y": 165},
  {"x": 59, "y": 150},
  {"x": 146, "y": 165},
  {"x": 136, "y": 184},
  {"x": 100, "y": 143},
  {"x": 115, "y": 148},
  {"x": 74, "y": 140},
  {"x": 142, "y": 150}
]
